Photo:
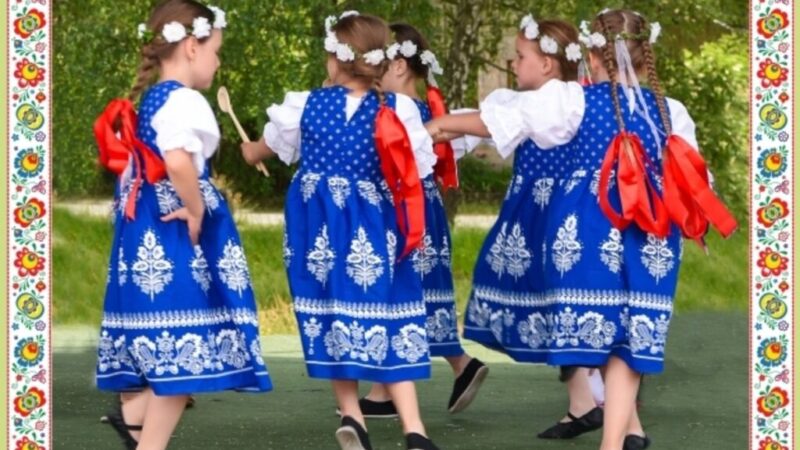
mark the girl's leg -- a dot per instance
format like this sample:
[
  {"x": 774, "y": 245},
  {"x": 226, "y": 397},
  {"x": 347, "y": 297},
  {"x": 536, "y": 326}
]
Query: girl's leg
[
  {"x": 635, "y": 425},
  {"x": 346, "y": 392},
  {"x": 622, "y": 384},
  {"x": 134, "y": 405},
  {"x": 404, "y": 395},
  {"x": 161, "y": 418},
  {"x": 378, "y": 393},
  {"x": 458, "y": 363}
]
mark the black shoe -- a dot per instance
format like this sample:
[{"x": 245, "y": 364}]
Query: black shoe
[
  {"x": 576, "y": 427},
  {"x": 352, "y": 436},
  {"x": 416, "y": 441},
  {"x": 634, "y": 442},
  {"x": 117, "y": 422},
  {"x": 375, "y": 410},
  {"x": 467, "y": 385}
]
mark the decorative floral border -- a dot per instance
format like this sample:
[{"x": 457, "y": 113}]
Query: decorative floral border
[
  {"x": 771, "y": 227},
  {"x": 28, "y": 278}
]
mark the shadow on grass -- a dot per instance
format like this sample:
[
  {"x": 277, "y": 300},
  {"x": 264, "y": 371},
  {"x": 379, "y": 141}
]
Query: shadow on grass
[{"x": 699, "y": 402}]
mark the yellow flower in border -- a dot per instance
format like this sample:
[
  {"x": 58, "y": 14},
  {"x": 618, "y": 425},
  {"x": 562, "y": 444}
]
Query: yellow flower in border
[
  {"x": 769, "y": 444},
  {"x": 27, "y": 24},
  {"x": 26, "y": 403},
  {"x": 773, "y": 22},
  {"x": 774, "y": 400}
]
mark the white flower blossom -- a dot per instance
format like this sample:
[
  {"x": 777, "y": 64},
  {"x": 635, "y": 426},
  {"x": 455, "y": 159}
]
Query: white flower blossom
[
  {"x": 391, "y": 52},
  {"x": 527, "y": 20},
  {"x": 344, "y": 53},
  {"x": 532, "y": 31},
  {"x": 142, "y": 29},
  {"x": 548, "y": 45},
  {"x": 348, "y": 13},
  {"x": 596, "y": 40},
  {"x": 429, "y": 59},
  {"x": 173, "y": 32},
  {"x": 329, "y": 22},
  {"x": 408, "y": 49},
  {"x": 573, "y": 52},
  {"x": 374, "y": 57},
  {"x": 201, "y": 28},
  {"x": 655, "y": 31},
  {"x": 219, "y": 17},
  {"x": 331, "y": 43},
  {"x": 585, "y": 27}
]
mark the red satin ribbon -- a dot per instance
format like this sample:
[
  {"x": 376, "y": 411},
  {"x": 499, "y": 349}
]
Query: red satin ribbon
[
  {"x": 400, "y": 170},
  {"x": 446, "y": 170},
  {"x": 690, "y": 202},
  {"x": 640, "y": 201},
  {"x": 115, "y": 133}
]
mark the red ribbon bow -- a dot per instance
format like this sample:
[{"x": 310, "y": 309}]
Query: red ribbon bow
[
  {"x": 400, "y": 170},
  {"x": 690, "y": 202},
  {"x": 446, "y": 170},
  {"x": 115, "y": 133},
  {"x": 640, "y": 201}
]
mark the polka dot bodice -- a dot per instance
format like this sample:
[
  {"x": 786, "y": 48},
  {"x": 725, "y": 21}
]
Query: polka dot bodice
[
  {"x": 424, "y": 110},
  {"x": 152, "y": 100},
  {"x": 530, "y": 161},
  {"x": 331, "y": 144},
  {"x": 599, "y": 127}
]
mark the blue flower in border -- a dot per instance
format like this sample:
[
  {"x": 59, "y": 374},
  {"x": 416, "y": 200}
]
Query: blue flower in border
[
  {"x": 28, "y": 163},
  {"x": 771, "y": 352},
  {"x": 771, "y": 164},
  {"x": 28, "y": 352}
]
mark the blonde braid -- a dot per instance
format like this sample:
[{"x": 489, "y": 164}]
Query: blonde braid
[
  {"x": 655, "y": 84},
  {"x": 610, "y": 64},
  {"x": 145, "y": 73}
]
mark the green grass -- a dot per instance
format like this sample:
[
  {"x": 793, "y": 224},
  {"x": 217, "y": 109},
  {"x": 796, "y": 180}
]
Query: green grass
[
  {"x": 717, "y": 282},
  {"x": 699, "y": 402}
]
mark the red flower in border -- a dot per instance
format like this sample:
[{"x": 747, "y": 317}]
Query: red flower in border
[
  {"x": 25, "y": 215},
  {"x": 772, "y": 73},
  {"x": 40, "y": 97},
  {"x": 773, "y": 22},
  {"x": 29, "y": 263},
  {"x": 769, "y": 444},
  {"x": 774, "y": 400},
  {"x": 26, "y": 403},
  {"x": 40, "y": 286},
  {"x": 771, "y": 262},
  {"x": 27, "y": 444},
  {"x": 28, "y": 74},
  {"x": 784, "y": 97},
  {"x": 27, "y": 24},
  {"x": 774, "y": 211},
  {"x": 784, "y": 286}
]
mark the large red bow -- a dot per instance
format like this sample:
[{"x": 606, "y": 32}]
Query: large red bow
[
  {"x": 446, "y": 170},
  {"x": 640, "y": 201},
  {"x": 115, "y": 133},
  {"x": 690, "y": 202},
  {"x": 400, "y": 170}
]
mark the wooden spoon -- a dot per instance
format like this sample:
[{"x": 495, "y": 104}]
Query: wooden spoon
[{"x": 224, "y": 101}]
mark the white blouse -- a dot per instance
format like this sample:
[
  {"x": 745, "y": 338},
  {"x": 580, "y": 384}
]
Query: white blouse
[
  {"x": 282, "y": 132},
  {"x": 551, "y": 116},
  {"x": 186, "y": 121}
]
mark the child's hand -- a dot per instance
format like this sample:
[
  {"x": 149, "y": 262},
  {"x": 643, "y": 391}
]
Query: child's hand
[
  {"x": 193, "y": 222},
  {"x": 438, "y": 134},
  {"x": 253, "y": 152}
]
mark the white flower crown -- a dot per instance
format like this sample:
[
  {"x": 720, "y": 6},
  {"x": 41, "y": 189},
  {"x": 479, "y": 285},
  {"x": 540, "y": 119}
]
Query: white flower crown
[
  {"x": 344, "y": 52},
  {"x": 530, "y": 29},
  {"x": 175, "y": 31},
  {"x": 408, "y": 49},
  {"x": 595, "y": 40}
]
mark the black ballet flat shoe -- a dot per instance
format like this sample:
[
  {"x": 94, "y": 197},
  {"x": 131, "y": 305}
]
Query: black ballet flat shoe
[
  {"x": 416, "y": 441},
  {"x": 371, "y": 409},
  {"x": 117, "y": 422},
  {"x": 590, "y": 421},
  {"x": 467, "y": 385},
  {"x": 352, "y": 436},
  {"x": 634, "y": 442}
]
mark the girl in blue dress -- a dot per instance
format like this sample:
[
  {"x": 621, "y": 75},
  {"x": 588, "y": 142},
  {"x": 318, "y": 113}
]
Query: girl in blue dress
[
  {"x": 354, "y": 214},
  {"x": 609, "y": 278},
  {"x": 411, "y": 62},
  {"x": 179, "y": 314}
]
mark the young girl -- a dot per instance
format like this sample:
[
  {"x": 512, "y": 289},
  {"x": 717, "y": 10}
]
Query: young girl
[
  {"x": 179, "y": 314},
  {"x": 412, "y": 61},
  {"x": 354, "y": 212},
  {"x": 609, "y": 285}
]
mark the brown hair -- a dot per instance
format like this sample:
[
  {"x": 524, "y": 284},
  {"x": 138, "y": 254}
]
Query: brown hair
[
  {"x": 564, "y": 33},
  {"x": 405, "y": 32},
  {"x": 157, "y": 49},
  {"x": 363, "y": 33},
  {"x": 635, "y": 30}
]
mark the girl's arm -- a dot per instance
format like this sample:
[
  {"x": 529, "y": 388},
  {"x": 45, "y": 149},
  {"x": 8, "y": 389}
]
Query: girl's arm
[
  {"x": 183, "y": 175},
  {"x": 449, "y": 126},
  {"x": 255, "y": 152}
]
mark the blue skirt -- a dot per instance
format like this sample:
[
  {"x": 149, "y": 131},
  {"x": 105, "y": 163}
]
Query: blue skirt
[
  {"x": 360, "y": 311},
  {"x": 178, "y": 318}
]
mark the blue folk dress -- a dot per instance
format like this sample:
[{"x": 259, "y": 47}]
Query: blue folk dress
[
  {"x": 178, "y": 318},
  {"x": 360, "y": 311}
]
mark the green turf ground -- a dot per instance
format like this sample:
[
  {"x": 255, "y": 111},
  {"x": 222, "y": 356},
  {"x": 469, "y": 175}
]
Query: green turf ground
[{"x": 699, "y": 402}]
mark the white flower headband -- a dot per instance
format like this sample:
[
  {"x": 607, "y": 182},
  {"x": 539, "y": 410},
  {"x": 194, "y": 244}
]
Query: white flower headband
[
  {"x": 344, "y": 52},
  {"x": 175, "y": 31},
  {"x": 596, "y": 40},
  {"x": 408, "y": 49},
  {"x": 530, "y": 29}
]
